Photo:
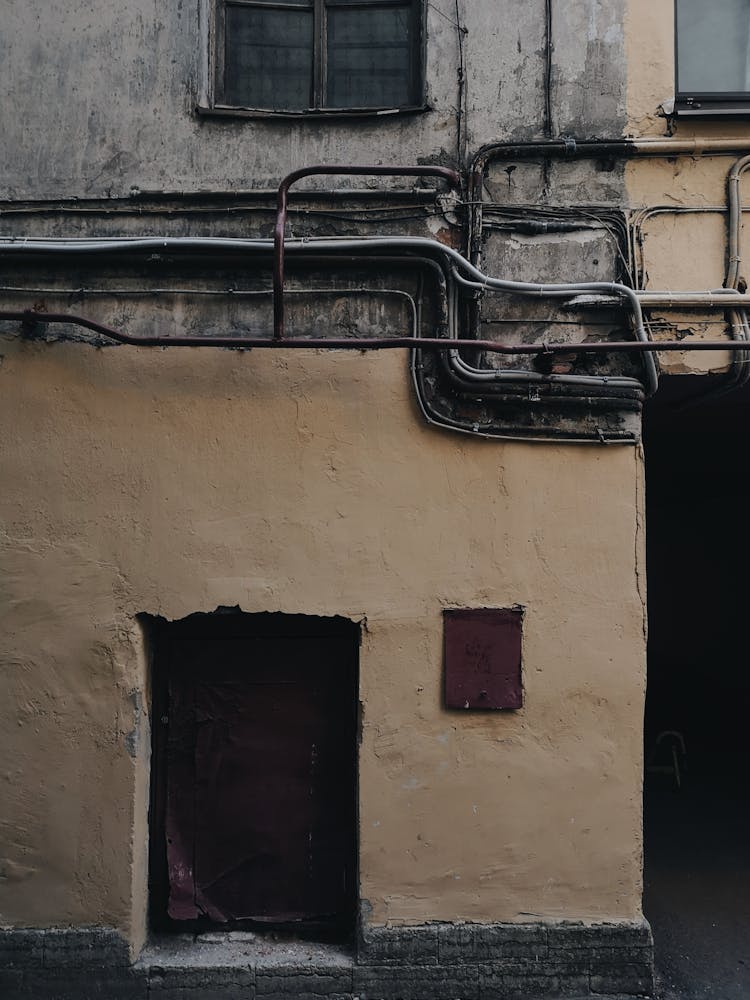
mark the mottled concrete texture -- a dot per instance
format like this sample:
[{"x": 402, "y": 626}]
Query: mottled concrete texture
[
  {"x": 441, "y": 962},
  {"x": 128, "y": 80}
]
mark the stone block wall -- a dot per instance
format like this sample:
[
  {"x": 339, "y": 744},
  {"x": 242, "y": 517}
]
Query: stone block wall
[{"x": 428, "y": 962}]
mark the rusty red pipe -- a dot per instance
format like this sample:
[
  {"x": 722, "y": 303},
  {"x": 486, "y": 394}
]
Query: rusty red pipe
[
  {"x": 29, "y": 318},
  {"x": 453, "y": 177}
]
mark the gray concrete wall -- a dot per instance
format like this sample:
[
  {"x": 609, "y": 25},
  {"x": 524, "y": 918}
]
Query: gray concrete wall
[{"x": 100, "y": 99}]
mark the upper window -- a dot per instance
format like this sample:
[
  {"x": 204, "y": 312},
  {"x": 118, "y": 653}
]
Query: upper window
[
  {"x": 713, "y": 57},
  {"x": 300, "y": 56}
]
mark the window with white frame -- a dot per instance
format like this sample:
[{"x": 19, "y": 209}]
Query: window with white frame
[
  {"x": 316, "y": 56},
  {"x": 713, "y": 56}
]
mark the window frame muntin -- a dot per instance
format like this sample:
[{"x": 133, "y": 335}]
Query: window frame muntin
[
  {"x": 717, "y": 104},
  {"x": 216, "y": 107}
]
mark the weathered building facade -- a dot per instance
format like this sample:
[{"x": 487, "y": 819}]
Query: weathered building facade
[{"x": 192, "y": 533}]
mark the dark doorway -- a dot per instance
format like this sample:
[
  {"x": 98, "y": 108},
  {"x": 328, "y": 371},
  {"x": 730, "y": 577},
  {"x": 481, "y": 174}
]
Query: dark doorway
[
  {"x": 697, "y": 744},
  {"x": 254, "y": 773}
]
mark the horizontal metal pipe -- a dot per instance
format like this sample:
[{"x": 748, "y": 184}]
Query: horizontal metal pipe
[
  {"x": 592, "y": 148},
  {"x": 721, "y": 298},
  {"x": 609, "y": 293},
  {"x": 689, "y": 147},
  {"x": 136, "y": 199},
  {"x": 372, "y": 246},
  {"x": 30, "y": 318},
  {"x": 224, "y": 293}
]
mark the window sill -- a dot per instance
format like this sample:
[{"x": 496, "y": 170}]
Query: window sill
[
  {"x": 225, "y": 111},
  {"x": 698, "y": 106}
]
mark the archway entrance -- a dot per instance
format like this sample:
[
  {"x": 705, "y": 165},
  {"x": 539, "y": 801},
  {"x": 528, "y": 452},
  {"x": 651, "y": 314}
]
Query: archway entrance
[{"x": 697, "y": 737}]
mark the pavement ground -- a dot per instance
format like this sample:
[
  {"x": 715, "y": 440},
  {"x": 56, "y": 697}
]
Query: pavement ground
[{"x": 697, "y": 887}]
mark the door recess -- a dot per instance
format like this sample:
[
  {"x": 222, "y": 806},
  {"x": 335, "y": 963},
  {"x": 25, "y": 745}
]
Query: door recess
[{"x": 254, "y": 804}]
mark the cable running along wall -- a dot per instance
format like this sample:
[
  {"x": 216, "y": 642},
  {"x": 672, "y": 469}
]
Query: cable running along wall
[{"x": 460, "y": 279}]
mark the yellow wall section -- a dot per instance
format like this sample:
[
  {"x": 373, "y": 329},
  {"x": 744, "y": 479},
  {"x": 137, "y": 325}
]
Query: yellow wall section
[
  {"x": 688, "y": 251},
  {"x": 174, "y": 481}
]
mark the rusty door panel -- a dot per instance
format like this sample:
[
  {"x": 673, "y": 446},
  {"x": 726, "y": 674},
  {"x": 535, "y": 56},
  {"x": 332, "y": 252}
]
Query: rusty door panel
[{"x": 261, "y": 779}]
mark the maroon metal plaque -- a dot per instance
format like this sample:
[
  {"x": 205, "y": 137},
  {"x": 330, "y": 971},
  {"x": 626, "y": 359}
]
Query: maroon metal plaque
[{"x": 482, "y": 653}]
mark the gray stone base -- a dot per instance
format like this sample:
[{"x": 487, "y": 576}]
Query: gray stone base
[
  {"x": 612, "y": 961},
  {"x": 504, "y": 961}
]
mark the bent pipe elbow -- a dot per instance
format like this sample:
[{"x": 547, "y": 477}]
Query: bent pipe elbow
[{"x": 453, "y": 177}]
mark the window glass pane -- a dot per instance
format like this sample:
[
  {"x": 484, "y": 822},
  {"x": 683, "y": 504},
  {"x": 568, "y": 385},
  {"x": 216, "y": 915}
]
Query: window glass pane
[
  {"x": 712, "y": 46},
  {"x": 370, "y": 57},
  {"x": 268, "y": 58}
]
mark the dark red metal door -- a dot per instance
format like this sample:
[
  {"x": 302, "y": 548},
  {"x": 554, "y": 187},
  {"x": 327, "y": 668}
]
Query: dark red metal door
[{"x": 260, "y": 789}]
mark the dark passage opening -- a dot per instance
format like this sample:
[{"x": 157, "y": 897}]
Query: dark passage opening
[
  {"x": 254, "y": 773},
  {"x": 697, "y": 782}
]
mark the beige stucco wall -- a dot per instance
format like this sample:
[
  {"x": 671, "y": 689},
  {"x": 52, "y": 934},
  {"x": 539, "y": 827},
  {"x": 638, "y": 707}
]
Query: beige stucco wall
[
  {"x": 174, "y": 482},
  {"x": 170, "y": 482}
]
